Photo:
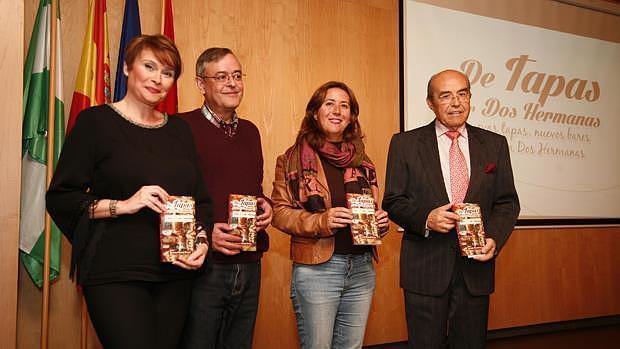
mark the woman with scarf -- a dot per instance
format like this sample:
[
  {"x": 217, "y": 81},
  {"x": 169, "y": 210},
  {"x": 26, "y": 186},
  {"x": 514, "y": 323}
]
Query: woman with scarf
[{"x": 333, "y": 280}]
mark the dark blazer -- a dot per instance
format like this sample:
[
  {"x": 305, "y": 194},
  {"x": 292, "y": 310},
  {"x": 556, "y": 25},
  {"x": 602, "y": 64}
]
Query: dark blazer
[{"x": 415, "y": 186}]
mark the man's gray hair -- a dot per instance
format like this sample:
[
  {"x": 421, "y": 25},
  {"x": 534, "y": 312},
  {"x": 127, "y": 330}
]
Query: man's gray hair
[{"x": 209, "y": 55}]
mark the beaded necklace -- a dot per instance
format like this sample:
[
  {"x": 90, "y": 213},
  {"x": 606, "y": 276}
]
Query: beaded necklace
[{"x": 139, "y": 124}]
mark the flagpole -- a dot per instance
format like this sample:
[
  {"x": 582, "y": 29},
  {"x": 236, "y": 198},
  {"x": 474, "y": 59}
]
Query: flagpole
[
  {"x": 50, "y": 171},
  {"x": 163, "y": 16},
  {"x": 84, "y": 322}
]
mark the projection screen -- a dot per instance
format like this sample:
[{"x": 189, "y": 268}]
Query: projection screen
[{"x": 555, "y": 97}]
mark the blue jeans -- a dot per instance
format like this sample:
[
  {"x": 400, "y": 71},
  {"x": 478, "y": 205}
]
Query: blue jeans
[
  {"x": 332, "y": 301},
  {"x": 223, "y": 307}
]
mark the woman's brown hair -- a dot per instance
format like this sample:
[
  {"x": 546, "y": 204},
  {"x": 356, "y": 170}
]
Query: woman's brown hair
[{"x": 310, "y": 129}]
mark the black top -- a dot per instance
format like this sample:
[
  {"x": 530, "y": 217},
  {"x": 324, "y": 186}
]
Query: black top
[
  {"x": 107, "y": 157},
  {"x": 338, "y": 192},
  {"x": 230, "y": 165}
]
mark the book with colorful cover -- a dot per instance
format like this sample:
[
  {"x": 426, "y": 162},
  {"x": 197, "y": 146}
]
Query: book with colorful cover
[
  {"x": 364, "y": 228},
  {"x": 177, "y": 232},
  {"x": 242, "y": 218},
  {"x": 470, "y": 229}
]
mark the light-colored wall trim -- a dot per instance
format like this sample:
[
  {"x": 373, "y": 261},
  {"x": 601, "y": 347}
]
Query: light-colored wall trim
[{"x": 11, "y": 66}]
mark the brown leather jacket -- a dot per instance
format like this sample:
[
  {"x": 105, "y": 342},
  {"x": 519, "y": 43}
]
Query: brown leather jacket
[{"x": 312, "y": 242}]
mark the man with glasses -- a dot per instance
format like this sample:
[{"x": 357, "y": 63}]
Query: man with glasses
[
  {"x": 429, "y": 169},
  {"x": 225, "y": 295}
]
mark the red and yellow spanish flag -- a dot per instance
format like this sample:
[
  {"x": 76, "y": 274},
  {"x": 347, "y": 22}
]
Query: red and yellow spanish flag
[
  {"x": 168, "y": 105},
  {"x": 92, "y": 85}
]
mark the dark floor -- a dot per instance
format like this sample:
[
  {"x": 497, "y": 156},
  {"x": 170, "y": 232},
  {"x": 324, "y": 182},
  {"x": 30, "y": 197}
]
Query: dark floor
[{"x": 591, "y": 338}]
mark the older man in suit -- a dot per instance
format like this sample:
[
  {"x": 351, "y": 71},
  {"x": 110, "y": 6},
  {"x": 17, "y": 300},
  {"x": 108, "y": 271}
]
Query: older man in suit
[{"x": 429, "y": 169}]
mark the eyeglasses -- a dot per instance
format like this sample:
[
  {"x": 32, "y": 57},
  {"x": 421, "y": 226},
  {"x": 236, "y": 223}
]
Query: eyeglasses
[
  {"x": 221, "y": 78},
  {"x": 447, "y": 97}
]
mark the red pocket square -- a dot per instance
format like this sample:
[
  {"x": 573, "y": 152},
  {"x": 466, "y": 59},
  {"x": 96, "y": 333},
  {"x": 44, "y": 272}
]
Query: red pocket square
[{"x": 490, "y": 167}]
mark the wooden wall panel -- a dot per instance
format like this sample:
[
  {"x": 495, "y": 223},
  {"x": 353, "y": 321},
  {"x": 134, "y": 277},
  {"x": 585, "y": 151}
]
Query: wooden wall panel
[
  {"x": 548, "y": 275},
  {"x": 578, "y": 19},
  {"x": 12, "y": 19},
  {"x": 287, "y": 49}
]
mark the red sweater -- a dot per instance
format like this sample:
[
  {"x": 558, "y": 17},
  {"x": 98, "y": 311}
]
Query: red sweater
[{"x": 230, "y": 165}]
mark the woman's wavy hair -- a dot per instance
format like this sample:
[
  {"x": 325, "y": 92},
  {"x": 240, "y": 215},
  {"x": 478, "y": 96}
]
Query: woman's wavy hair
[{"x": 310, "y": 129}]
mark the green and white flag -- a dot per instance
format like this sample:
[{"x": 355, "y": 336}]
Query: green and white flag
[{"x": 34, "y": 145}]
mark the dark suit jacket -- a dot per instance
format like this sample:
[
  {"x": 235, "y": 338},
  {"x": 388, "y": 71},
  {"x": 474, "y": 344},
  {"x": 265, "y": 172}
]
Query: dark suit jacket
[{"x": 415, "y": 186}]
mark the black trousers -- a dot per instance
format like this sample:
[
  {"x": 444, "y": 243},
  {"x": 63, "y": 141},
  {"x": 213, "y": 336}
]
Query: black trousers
[
  {"x": 456, "y": 319},
  {"x": 139, "y": 314}
]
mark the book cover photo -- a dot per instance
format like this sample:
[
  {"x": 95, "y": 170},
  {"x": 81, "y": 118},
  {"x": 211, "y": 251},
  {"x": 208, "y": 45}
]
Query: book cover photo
[
  {"x": 470, "y": 229},
  {"x": 242, "y": 218},
  {"x": 177, "y": 230},
  {"x": 364, "y": 228}
]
